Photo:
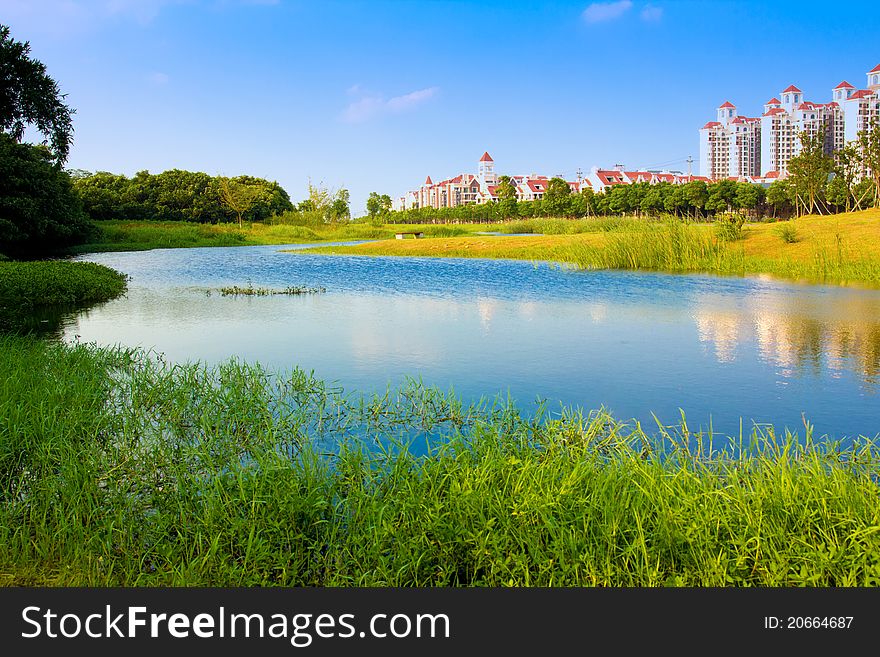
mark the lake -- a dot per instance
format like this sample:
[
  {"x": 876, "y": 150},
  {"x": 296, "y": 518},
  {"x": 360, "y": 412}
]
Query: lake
[{"x": 724, "y": 350}]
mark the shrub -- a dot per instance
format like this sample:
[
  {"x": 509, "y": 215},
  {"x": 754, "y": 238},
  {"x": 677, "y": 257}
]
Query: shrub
[{"x": 787, "y": 233}]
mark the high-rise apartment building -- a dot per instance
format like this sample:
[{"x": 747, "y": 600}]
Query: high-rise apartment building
[{"x": 735, "y": 146}]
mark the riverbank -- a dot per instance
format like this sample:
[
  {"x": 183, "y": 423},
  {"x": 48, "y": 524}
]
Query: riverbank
[
  {"x": 841, "y": 249},
  {"x": 135, "y": 472},
  {"x": 32, "y": 286},
  {"x": 145, "y": 235}
]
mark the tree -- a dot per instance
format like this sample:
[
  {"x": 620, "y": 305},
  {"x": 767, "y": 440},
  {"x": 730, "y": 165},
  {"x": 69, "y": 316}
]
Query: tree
[
  {"x": 378, "y": 204},
  {"x": 847, "y": 168},
  {"x": 237, "y": 196},
  {"x": 39, "y": 210},
  {"x": 749, "y": 196},
  {"x": 556, "y": 197},
  {"x": 869, "y": 156},
  {"x": 808, "y": 173},
  {"x": 340, "y": 207},
  {"x": 505, "y": 192},
  {"x": 696, "y": 193},
  {"x": 28, "y": 96},
  {"x": 779, "y": 196}
]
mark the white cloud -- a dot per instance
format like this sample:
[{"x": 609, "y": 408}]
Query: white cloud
[
  {"x": 158, "y": 78},
  {"x": 651, "y": 13},
  {"x": 143, "y": 11},
  {"x": 371, "y": 106},
  {"x": 67, "y": 17},
  {"x": 606, "y": 11}
]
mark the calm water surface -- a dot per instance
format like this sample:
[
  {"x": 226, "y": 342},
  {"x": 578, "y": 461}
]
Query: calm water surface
[{"x": 723, "y": 350}]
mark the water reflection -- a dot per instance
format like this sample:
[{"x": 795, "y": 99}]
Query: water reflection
[
  {"x": 640, "y": 344},
  {"x": 829, "y": 333}
]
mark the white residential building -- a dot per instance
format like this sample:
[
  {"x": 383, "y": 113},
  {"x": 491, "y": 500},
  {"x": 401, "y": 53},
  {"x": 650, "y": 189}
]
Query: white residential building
[
  {"x": 740, "y": 147},
  {"x": 466, "y": 188}
]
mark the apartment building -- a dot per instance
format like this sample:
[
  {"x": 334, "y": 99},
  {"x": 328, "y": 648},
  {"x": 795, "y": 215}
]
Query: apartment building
[
  {"x": 481, "y": 187},
  {"x": 740, "y": 147}
]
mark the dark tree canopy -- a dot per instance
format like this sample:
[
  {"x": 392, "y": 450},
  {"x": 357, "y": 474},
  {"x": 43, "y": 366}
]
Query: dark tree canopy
[
  {"x": 39, "y": 211},
  {"x": 28, "y": 96},
  {"x": 176, "y": 195}
]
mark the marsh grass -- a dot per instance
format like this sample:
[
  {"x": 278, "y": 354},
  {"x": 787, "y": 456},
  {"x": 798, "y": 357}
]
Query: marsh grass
[
  {"x": 31, "y": 292},
  {"x": 552, "y": 226},
  {"x": 787, "y": 233},
  {"x": 672, "y": 246},
  {"x": 251, "y": 291},
  {"x": 142, "y": 235},
  {"x": 117, "y": 468}
]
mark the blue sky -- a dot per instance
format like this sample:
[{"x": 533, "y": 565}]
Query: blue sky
[{"x": 374, "y": 96}]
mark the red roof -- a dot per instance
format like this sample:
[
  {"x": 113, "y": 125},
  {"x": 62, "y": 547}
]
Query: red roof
[
  {"x": 844, "y": 85},
  {"x": 862, "y": 93},
  {"x": 792, "y": 89},
  {"x": 727, "y": 103},
  {"x": 876, "y": 69},
  {"x": 773, "y": 101},
  {"x": 486, "y": 157},
  {"x": 805, "y": 106},
  {"x": 428, "y": 181},
  {"x": 611, "y": 177},
  {"x": 775, "y": 110},
  {"x": 711, "y": 124},
  {"x": 771, "y": 174},
  {"x": 536, "y": 187}
]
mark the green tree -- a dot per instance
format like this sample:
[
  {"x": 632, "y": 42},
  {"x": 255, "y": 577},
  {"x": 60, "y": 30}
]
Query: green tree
[
  {"x": 749, "y": 196},
  {"x": 696, "y": 193},
  {"x": 505, "y": 192},
  {"x": 722, "y": 196},
  {"x": 340, "y": 209},
  {"x": 39, "y": 211},
  {"x": 28, "y": 96},
  {"x": 808, "y": 174},
  {"x": 556, "y": 198},
  {"x": 869, "y": 156},
  {"x": 847, "y": 170},
  {"x": 779, "y": 197},
  {"x": 238, "y": 196},
  {"x": 378, "y": 204}
]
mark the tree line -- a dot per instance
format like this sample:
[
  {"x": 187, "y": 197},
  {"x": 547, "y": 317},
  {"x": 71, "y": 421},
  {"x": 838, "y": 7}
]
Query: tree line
[
  {"x": 817, "y": 183},
  {"x": 178, "y": 195}
]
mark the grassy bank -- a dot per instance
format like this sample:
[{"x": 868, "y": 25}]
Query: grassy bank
[
  {"x": 143, "y": 235},
  {"x": 28, "y": 285},
  {"x": 843, "y": 249},
  {"x": 26, "y": 288},
  {"x": 117, "y": 469}
]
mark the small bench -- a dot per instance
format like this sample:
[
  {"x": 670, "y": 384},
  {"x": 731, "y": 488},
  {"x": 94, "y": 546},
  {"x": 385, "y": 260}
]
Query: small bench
[{"x": 415, "y": 235}]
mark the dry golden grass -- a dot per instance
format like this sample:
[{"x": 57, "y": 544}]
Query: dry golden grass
[{"x": 843, "y": 248}]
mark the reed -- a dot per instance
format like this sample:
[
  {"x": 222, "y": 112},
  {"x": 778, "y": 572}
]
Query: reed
[
  {"x": 117, "y": 468},
  {"x": 251, "y": 291}
]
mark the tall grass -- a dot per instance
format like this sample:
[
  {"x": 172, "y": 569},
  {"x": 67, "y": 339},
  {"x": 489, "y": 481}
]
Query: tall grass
[
  {"x": 670, "y": 246},
  {"x": 286, "y": 229},
  {"x": 119, "y": 469},
  {"x": 28, "y": 285},
  {"x": 552, "y": 226}
]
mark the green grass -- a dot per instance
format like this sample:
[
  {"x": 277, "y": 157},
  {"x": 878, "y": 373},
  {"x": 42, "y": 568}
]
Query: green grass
[
  {"x": 32, "y": 284},
  {"x": 552, "y": 226},
  {"x": 787, "y": 233},
  {"x": 117, "y": 468},
  {"x": 251, "y": 291},
  {"x": 842, "y": 249},
  {"x": 143, "y": 235}
]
